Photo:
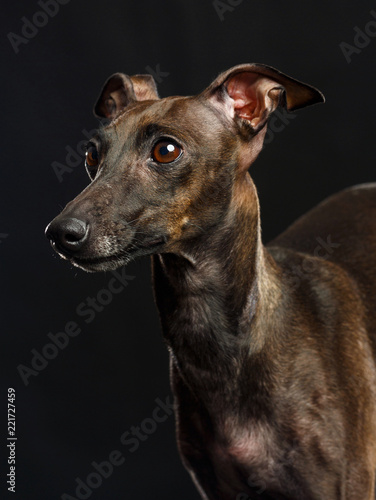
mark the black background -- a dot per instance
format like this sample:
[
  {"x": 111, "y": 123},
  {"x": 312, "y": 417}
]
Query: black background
[{"x": 107, "y": 379}]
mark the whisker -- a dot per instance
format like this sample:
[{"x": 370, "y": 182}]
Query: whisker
[
  {"x": 199, "y": 227},
  {"x": 134, "y": 220}
]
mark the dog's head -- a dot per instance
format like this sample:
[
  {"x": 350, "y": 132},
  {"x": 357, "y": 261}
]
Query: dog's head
[{"x": 164, "y": 171}]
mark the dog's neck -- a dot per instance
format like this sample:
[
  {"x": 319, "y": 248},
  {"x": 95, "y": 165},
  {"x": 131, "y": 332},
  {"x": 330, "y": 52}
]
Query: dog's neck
[{"x": 212, "y": 301}]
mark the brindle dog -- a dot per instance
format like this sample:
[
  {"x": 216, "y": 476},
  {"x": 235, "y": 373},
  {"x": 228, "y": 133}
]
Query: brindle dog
[{"x": 273, "y": 370}]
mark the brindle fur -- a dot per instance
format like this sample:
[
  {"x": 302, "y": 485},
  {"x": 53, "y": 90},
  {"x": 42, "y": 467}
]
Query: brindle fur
[{"x": 273, "y": 372}]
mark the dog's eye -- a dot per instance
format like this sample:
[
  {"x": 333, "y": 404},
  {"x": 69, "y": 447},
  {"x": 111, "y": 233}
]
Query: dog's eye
[
  {"x": 166, "y": 151},
  {"x": 91, "y": 160},
  {"x": 92, "y": 156}
]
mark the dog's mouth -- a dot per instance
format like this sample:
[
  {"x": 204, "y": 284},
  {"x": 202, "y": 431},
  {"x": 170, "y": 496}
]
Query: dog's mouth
[
  {"x": 75, "y": 241},
  {"x": 118, "y": 259}
]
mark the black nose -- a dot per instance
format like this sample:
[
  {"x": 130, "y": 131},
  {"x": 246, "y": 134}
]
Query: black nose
[{"x": 67, "y": 234}]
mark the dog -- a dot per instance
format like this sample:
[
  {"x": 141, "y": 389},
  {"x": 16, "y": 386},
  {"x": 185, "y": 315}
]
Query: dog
[{"x": 273, "y": 374}]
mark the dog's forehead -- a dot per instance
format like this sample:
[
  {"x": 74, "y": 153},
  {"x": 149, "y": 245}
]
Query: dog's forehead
[{"x": 177, "y": 114}]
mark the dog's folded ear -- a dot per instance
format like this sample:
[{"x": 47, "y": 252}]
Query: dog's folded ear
[
  {"x": 121, "y": 90},
  {"x": 252, "y": 92}
]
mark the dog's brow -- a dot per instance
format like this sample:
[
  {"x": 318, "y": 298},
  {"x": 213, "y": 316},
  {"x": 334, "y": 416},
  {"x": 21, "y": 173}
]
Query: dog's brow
[
  {"x": 98, "y": 137},
  {"x": 151, "y": 130}
]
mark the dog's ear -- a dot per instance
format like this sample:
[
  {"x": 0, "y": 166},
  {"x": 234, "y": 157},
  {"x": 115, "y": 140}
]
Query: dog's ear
[
  {"x": 251, "y": 92},
  {"x": 121, "y": 90}
]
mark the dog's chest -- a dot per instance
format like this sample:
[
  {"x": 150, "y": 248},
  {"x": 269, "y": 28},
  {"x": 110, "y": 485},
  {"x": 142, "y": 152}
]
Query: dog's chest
[
  {"x": 243, "y": 461},
  {"x": 251, "y": 452}
]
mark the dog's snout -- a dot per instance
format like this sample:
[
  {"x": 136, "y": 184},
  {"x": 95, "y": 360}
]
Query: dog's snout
[{"x": 68, "y": 234}]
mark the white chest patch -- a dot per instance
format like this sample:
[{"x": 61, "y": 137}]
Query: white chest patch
[
  {"x": 252, "y": 446},
  {"x": 246, "y": 456}
]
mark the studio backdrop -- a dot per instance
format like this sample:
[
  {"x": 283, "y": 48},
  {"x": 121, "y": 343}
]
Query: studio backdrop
[{"x": 82, "y": 357}]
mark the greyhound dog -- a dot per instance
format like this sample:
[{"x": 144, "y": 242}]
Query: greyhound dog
[{"x": 273, "y": 371}]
